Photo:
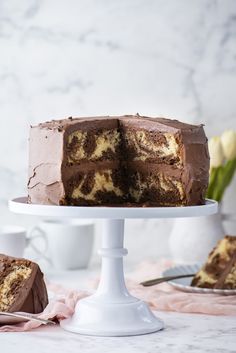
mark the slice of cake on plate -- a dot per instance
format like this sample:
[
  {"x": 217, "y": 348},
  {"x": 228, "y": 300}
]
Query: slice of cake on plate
[
  {"x": 219, "y": 271},
  {"x": 132, "y": 160},
  {"x": 22, "y": 286}
]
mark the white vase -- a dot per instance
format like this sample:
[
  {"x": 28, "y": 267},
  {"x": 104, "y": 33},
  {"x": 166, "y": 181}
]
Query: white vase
[{"x": 192, "y": 238}]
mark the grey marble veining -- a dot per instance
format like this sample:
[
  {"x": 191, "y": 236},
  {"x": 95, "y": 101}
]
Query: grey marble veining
[{"x": 157, "y": 57}]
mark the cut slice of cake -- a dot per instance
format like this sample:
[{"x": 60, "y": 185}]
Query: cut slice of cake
[
  {"x": 220, "y": 269},
  {"x": 22, "y": 286},
  {"x": 118, "y": 160}
]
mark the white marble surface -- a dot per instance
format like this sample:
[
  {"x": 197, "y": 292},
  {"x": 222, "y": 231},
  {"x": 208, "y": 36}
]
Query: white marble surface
[
  {"x": 183, "y": 333},
  {"x": 157, "y": 57}
]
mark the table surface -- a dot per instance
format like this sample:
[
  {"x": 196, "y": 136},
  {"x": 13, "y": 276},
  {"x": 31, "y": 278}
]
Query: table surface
[{"x": 182, "y": 333}]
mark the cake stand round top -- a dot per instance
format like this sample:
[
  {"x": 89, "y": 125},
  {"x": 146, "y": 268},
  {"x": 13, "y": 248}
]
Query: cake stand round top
[{"x": 20, "y": 205}]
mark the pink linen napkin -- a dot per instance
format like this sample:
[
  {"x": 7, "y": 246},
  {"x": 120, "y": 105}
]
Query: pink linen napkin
[
  {"x": 159, "y": 297},
  {"x": 165, "y": 298},
  {"x": 60, "y": 307}
]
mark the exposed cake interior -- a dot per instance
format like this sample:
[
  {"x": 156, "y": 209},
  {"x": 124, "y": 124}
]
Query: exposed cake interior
[
  {"x": 12, "y": 279},
  {"x": 92, "y": 146},
  {"x": 132, "y": 165},
  {"x": 220, "y": 269},
  {"x": 96, "y": 186},
  {"x": 153, "y": 186},
  {"x": 143, "y": 145}
]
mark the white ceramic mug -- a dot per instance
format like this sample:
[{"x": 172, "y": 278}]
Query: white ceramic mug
[
  {"x": 14, "y": 240},
  {"x": 70, "y": 242}
]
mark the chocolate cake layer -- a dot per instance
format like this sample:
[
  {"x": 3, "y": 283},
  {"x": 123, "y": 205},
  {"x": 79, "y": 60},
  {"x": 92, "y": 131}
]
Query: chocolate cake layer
[
  {"x": 89, "y": 161},
  {"x": 143, "y": 144},
  {"x": 96, "y": 187},
  {"x": 92, "y": 146},
  {"x": 157, "y": 188},
  {"x": 22, "y": 287}
]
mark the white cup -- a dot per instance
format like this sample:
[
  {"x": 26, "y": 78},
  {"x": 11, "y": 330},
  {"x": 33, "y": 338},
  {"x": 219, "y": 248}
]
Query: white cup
[
  {"x": 14, "y": 240},
  {"x": 70, "y": 242}
]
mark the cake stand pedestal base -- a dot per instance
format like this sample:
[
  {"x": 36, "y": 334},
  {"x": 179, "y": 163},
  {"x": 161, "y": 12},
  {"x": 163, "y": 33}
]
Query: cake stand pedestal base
[
  {"x": 93, "y": 318},
  {"x": 112, "y": 310},
  {"x": 95, "y": 315}
]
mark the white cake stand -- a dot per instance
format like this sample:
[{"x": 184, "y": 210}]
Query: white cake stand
[{"x": 112, "y": 311}]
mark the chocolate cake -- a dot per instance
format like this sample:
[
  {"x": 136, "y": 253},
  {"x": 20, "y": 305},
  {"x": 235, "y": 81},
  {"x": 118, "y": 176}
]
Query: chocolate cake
[
  {"x": 128, "y": 160},
  {"x": 22, "y": 287},
  {"x": 220, "y": 269}
]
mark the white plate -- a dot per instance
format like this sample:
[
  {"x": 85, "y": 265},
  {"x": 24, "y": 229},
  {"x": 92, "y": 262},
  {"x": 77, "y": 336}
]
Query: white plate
[{"x": 183, "y": 284}]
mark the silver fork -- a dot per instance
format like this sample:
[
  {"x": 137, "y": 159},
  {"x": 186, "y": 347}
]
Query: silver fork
[
  {"x": 152, "y": 282},
  {"x": 28, "y": 317}
]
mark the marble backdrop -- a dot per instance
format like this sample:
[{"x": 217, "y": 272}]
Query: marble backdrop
[{"x": 156, "y": 57}]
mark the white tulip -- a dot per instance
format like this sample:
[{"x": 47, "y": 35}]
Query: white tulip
[
  {"x": 216, "y": 152},
  {"x": 228, "y": 141}
]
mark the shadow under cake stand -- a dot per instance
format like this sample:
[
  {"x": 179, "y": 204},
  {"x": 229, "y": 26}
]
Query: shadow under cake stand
[{"x": 112, "y": 310}]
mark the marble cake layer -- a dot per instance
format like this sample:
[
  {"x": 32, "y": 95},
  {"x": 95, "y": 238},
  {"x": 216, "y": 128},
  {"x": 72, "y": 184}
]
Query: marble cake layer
[
  {"x": 22, "y": 286},
  {"x": 220, "y": 269},
  {"x": 118, "y": 160}
]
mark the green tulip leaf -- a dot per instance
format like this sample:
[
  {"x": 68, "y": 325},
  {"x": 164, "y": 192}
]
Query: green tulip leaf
[{"x": 224, "y": 177}]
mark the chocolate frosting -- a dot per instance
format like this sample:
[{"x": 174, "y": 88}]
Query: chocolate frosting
[{"x": 49, "y": 174}]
